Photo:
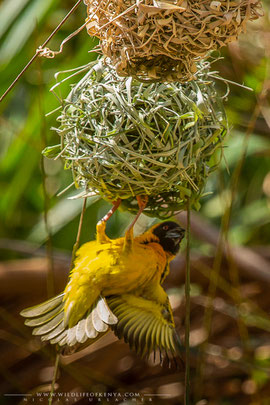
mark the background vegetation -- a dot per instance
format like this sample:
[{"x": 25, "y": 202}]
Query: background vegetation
[{"x": 230, "y": 255}]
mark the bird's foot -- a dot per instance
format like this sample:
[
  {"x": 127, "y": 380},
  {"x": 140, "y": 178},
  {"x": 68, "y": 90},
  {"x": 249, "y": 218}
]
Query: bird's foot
[
  {"x": 142, "y": 202},
  {"x": 101, "y": 225}
]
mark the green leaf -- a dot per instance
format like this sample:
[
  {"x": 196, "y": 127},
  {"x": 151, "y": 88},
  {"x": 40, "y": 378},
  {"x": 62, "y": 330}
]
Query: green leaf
[
  {"x": 9, "y": 10},
  {"x": 22, "y": 30},
  {"x": 59, "y": 216},
  {"x": 52, "y": 152}
]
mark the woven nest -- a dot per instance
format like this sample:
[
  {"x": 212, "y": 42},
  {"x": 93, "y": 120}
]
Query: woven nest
[
  {"x": 122, "y": 138},
  {"x": 162, "y": 40}
]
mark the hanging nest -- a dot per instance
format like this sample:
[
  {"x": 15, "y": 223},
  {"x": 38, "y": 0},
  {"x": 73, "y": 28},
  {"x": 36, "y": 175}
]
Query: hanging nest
[
  {"x": 122, "y": 138},
  {"x": 162, "y": 40}
]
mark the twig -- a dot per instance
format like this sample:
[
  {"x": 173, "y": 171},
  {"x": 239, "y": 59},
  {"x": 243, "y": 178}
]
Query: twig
[
  {"x": 75, "y": 247},
  {"x": 38, "y": 51},
  {"x": 187, "y": 303},
  {"x": 207, "y": 319},
  {"x": 56, "y": 364},
  {"x": 223, "y": 240},
  {"x": 48, "y": 53},
  {"x": 46, "y": 207},
  {"x": 76, "y": 244}
]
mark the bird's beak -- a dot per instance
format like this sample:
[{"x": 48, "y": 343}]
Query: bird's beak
[{"x": 176, "y": 235}]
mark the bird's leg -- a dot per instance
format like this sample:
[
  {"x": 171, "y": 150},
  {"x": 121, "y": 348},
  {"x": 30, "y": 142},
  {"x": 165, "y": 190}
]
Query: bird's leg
[
  {"x": 101, "y": 225},
  {"x": 142, "y": 202}
]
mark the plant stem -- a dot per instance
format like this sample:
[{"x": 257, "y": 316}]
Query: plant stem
[
  {"x": 76, "y": 244},
  {"x": 46, "y": 209},
  {"x": 56, "y": 364},
  {"x": 75, "y": 247},
  {"x": 187, "y": 318},
  {"x": 38, "y": 50}
]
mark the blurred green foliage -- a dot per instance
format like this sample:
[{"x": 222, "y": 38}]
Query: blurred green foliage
[{"x": 25, "y": 131}]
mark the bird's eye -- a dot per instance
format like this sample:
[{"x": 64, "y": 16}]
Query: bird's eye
[{"x": 165, "y": 227}]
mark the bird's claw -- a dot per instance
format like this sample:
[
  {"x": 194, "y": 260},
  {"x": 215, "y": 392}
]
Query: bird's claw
[
  {"x": 101, "y": 225},
  {"x": 142, "y": 202}
]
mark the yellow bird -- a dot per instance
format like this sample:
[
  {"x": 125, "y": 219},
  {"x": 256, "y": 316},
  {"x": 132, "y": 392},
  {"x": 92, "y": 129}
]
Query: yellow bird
[{"x": 115, "y": 283}]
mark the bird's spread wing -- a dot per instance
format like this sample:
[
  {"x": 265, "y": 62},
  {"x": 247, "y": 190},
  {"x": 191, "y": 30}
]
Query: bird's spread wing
[
  {"x": 143, "y": 323},
  {"x": 48, "y": 322}
]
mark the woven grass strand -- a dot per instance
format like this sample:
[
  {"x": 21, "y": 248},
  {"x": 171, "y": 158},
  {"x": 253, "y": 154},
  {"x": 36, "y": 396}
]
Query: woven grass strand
[
  {"x": 162, "y": 40},
  {"x": 122, "y": 138}
]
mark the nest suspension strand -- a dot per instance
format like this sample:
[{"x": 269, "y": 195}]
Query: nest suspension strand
[
  {"x": 122, "y": 138},
  {"x": 162, "y": 40}
]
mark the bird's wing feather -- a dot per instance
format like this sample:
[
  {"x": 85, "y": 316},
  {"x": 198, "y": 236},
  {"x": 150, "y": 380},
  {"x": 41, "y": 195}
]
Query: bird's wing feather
[
  {"x": 144, "y": 323},
  {"x": 48, "y": 320},
  {"x": 43, "y": 308}
]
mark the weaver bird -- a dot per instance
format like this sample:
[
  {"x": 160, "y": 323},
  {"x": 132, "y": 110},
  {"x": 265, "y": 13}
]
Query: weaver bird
[{"x": 115, "y": 284}]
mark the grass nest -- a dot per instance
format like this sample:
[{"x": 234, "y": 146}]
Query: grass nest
[
  {"x": 122, "y": 138},
  {"x": 162, "y": 40}
]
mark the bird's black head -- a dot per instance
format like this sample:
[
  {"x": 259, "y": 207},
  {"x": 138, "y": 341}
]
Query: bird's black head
[{"x": 170, "y": 235}]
